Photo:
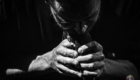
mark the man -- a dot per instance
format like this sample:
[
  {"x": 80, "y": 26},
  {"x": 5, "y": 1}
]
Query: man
[{"x": 87, "y": 60}]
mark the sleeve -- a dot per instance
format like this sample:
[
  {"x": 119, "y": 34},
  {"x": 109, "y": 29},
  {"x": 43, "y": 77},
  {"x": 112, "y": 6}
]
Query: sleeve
[{"x": 118, "y": 70}]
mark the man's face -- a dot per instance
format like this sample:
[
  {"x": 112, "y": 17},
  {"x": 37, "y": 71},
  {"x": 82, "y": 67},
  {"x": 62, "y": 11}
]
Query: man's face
[{"x": 75, "y": 26}]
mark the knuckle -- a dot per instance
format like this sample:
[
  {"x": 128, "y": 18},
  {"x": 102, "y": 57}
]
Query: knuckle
[
  {"x": 67, "y": 70},
  {"x": 76, "y": 73},
  {"x": 67, "y": 53},
  {"x": 99, "y": 72},
  {"x": 61, "y": 51},
  {"x": 64, "y": 41},
  {"x": 57, "y": 58},
  {"x": 75, "y": 54},
  {"x": 75, "y": 62},
  {"x": 103, "y": 57},
  {"x": 71, "y": 53},
  {"x": 86, "y": 73},
  {"x": 99, "y": 46},
  {"x": 57, "y": 51},
  {"x": 99, "y": 56},
  {"x": 102, "y": 64},
  {"x": 64, "y": 61},
  {"x": 99, "y": 65},
  {"x": 91, "y": 56},
  {"x": 91, "y": 65},
  {"x": 92, "y": 44}
]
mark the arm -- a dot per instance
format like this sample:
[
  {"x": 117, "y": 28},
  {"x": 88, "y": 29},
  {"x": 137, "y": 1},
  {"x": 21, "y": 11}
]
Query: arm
[
  {"x": 53, "y": 61},
  {"x": 40, "y": 63},
  {"x": 118, "y": 70},
  {"x": 37, "y": 67}
]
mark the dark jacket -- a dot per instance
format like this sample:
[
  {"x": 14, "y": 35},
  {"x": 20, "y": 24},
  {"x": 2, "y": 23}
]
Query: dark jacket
[{"x": 28, "y": 29}]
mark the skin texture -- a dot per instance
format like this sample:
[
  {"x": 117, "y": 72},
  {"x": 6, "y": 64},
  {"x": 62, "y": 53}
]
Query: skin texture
[
  {"x": 61, "y": 59},
  {"x": 92, "y": 63}
]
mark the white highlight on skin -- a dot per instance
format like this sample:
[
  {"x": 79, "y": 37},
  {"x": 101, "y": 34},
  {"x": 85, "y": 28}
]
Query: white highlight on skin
[
  {"x": 78, "y": 28},
  {"x": 89, "y": 73},
  {"x": 13, "y": 71},
  {"x": 82, "y": 48},
  {"x": 113, "y": 54},
  {"x": 85, "y": 65},
  {"x": 84, "y": 28},
  {"x": 57, "y": 5}
]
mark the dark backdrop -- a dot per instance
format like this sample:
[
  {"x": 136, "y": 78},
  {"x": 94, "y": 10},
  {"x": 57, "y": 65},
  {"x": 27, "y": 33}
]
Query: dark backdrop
[{"x": 28, "y": 29}]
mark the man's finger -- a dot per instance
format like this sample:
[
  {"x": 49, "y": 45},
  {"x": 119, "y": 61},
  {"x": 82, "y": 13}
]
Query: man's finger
[
  {"x": 82, "y": 49},
  {"x": 89, "y": 73},
  {"x": 95, "y": 73},
  {"x": 85, "y": 58},
  {"x": 66, "y": 52},
  {"x": 69, "y": 71},
  {"x": 92, "y": 66},
  {"x": 91, "y": 45},
  {"x": 67, "y": 60},
  {"x": 67, "y": 43},
  {"x": 99, "y": 56},
  {"x": 88, "y": 66}
]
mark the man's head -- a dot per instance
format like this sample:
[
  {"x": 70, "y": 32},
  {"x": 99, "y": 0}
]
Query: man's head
[{"x": 78, "y": 15}]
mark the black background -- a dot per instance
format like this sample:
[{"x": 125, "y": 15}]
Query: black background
[{"x": 26, "y": 32}]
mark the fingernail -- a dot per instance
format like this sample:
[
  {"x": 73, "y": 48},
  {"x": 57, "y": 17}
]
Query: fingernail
[{"x": 81, "y": 49}]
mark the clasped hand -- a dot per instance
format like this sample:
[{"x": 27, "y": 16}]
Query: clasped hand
[{"x": 82, "y": 62}]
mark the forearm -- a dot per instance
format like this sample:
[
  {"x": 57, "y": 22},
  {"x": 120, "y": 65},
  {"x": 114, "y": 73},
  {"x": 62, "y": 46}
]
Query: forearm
[
  {"x": 118, "y": 70},
  {"x": 39, "y": 66},
  {"x": 41, "y": 63}
]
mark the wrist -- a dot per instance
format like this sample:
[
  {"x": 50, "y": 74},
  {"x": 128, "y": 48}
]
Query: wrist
[{"x": 41, "y": 63}]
